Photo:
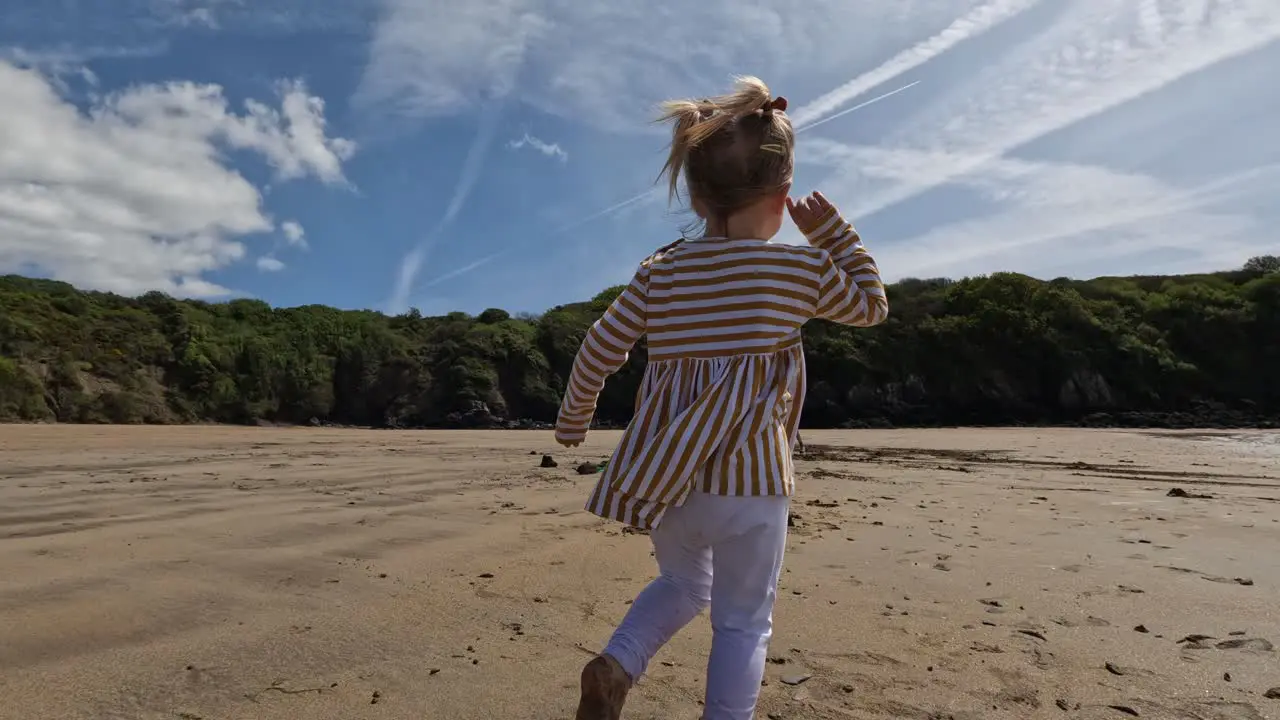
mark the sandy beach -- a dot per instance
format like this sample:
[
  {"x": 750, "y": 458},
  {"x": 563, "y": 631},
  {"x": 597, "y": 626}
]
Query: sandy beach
[{"x": 214, "y": 573}]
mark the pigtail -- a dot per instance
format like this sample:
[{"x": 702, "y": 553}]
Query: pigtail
[
  {"x": 686, "y": 114},
  {"x": 698, "y": 120}
]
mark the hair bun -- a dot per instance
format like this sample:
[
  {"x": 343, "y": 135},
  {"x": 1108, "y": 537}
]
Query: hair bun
[{"x": 778, "y": 103}]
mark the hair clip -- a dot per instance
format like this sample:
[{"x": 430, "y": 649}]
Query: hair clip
[
  {"x": 778, "y": 103},
  {"x": 774, "y": 148}
]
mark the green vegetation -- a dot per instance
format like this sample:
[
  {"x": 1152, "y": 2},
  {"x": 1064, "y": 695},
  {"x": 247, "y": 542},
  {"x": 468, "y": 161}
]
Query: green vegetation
[{"x": 1184, "y": 351}]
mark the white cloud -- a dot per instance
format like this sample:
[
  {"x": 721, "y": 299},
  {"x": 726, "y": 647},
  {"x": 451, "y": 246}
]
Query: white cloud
[
  {"x": 135, "y": 194},
  {"x": 69, "y": 57},
  {"x": 62, "y": 62},
  {"x": 551, "y": 150},
  {"x": 1074, "y": 64},
  {"x": 607, "y": 64},
  {"x": 1100, "y": 55},
  {"x": 191, "y": 15},
  {"x": 293, "y": 233},
  {"x": 1048, "y": 218},
  {"x": 431, "y": 58},
  {"x": 266, "y": 263},
  {"x": 970, "y": 25},
  {"x": 1060, "y": 218}
]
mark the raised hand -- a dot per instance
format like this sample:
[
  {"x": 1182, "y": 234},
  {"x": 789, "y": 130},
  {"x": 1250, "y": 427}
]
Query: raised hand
[{"x": 808, "y": 211}]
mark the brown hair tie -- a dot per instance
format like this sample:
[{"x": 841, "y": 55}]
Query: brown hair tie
[{"x": 778, "y": 103}]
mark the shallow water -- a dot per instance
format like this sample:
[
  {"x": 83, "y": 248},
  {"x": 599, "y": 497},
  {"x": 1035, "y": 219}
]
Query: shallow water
[{"x": 1266, "y": 444}]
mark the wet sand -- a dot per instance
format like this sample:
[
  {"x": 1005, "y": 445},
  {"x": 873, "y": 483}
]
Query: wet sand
[{"x": 210, "y": 573}]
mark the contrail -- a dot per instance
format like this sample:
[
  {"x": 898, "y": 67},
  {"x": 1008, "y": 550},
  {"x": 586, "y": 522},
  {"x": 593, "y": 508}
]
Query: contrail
[
  {"x": 637, "y": 198},
  {"x": 963, "y": 28},
  {"x": 611, "y": 209},
  {"x": 471, "y": 167},
  {"x": 859, "y": 106},
  {"x": 464, "y": 269}
]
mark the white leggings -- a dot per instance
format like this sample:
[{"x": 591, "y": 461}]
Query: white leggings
[{"x": 721, "y": 551}]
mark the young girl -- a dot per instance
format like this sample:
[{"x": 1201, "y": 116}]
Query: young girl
[{"x": 706, "y": 463}]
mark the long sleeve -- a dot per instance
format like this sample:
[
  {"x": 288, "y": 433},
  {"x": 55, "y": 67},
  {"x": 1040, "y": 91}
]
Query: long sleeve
[
  {"x": 850, "y": 291},
  {"x": 604, "y": 350}
]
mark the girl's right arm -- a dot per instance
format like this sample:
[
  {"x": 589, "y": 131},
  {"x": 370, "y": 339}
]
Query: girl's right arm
[
  {"x": 604, "y": 350},
  {"x": 850, "y": 291}
]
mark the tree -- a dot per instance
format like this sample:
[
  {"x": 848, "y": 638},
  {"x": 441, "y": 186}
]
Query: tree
[
  {"x": 1262, "y": 264},
  {"x": 1005, "y": 348}
]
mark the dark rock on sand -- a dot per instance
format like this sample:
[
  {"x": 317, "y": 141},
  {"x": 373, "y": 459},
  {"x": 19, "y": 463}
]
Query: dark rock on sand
[
  {"x": 1196, "y": 638},
  {"x": 1256, "y": 644}
]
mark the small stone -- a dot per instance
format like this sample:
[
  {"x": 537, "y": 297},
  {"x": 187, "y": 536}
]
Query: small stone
[
  {"x": 1141, "y": 629},
  {"x": 1113, "y": 669},
  {"x": 796, "y": 679},
  {"x": 1272, "y": 694},
  {"x": 549, "y": 462}
]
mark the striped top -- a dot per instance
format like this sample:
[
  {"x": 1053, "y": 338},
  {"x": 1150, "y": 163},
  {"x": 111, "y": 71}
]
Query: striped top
[{"x": 719, "y": 406}]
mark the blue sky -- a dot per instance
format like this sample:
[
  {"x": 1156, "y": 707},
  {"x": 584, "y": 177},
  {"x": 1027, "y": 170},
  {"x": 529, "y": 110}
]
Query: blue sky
[{"x": 499, "y": 153}]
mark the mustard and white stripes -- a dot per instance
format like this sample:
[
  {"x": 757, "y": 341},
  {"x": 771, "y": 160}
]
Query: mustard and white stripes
[{"x": 719, "y": 407}]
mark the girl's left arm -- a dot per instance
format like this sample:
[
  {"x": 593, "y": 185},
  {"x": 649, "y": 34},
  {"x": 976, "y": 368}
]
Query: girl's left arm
[{"x": 604, "y": 350}]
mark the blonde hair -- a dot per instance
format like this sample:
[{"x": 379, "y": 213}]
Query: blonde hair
[{"x": 731, "y": 149}]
